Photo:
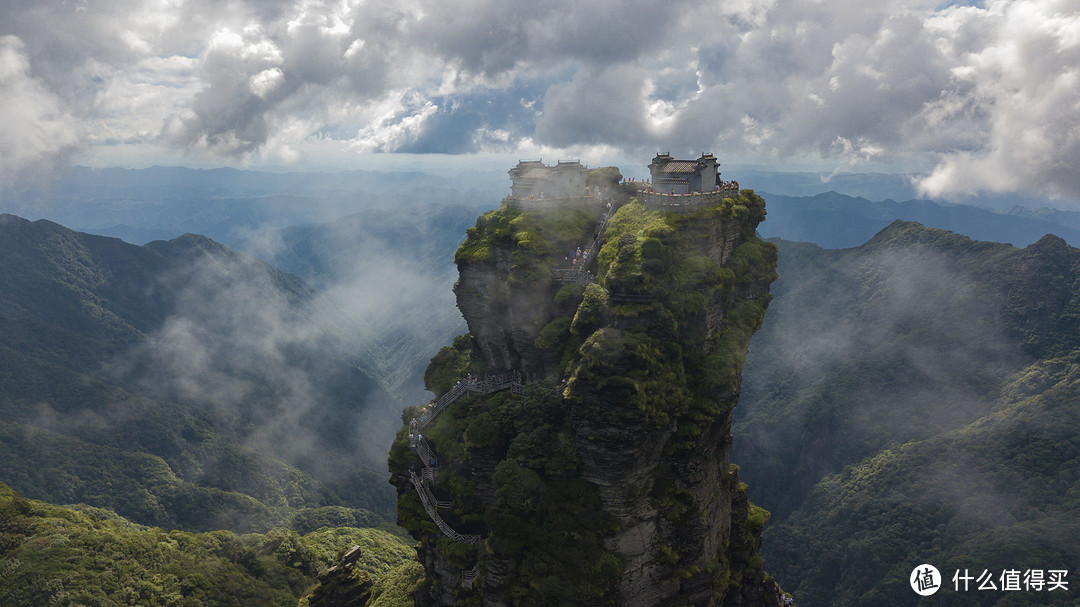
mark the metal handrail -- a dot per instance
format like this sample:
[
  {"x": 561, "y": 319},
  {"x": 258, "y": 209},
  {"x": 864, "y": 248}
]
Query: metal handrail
[
  {"x": 443, "y": 526},
  {"x": 582, "y": 274},
  {"x": 485, "y": 385}
]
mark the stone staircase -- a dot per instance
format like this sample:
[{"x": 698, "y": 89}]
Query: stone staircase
[
  {"x": 483, "y": 385},
  {"x": 583, "y": 274}
]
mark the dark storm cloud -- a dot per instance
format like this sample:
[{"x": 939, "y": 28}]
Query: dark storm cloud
[{"x": 491, "y": 37}]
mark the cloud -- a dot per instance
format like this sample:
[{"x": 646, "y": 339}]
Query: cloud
[
  {"x": 270, "y": 361},
  {"x": 398, "y": 127},
  {"x": 243, "y": 79},
  {"x": 984, "y": 93},
  {"x": 37, "y": 129},
  {"x": 1021, "y": 63},
  {"x": 309, "y": 367},
  {"x": 597, "y": 105}
]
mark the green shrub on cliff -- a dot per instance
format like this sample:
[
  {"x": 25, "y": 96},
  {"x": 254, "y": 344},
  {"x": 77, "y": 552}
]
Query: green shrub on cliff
[
  {"x": 604, "y": 177},
  {"x": 632, "y": 218},
  {"x": 545, "y": 516},
  {"x": 661, "y": 269},
  {"x": 492, "y": 229},
  {"x": 590, "y": 313},
  {"x": 450, "y": 364},
  {"x": 534, "y": 241}
]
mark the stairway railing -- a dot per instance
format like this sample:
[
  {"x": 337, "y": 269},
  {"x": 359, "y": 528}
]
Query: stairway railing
[
  {"x": 583, "y": 274},
  {"x": 468, "y": 577},
  {"x": 430, "y": 508},
  {"x": 484, "y": 385}
]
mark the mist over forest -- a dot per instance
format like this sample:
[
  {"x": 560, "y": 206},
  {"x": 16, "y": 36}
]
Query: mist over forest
[{"x": 277, "y": 362}]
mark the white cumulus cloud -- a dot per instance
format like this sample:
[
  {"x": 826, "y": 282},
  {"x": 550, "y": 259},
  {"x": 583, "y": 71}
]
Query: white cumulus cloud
[{"x": 37, "y": 127}]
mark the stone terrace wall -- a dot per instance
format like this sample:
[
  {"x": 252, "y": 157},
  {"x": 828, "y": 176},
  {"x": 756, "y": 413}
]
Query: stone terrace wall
[{"x": 682, "y": 203}]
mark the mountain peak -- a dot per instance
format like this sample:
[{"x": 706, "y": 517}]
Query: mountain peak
[
  {"x": 1049, "y": 244},
  {"x": 602, "y": 457},
  {"x": 902, "y": 233}
]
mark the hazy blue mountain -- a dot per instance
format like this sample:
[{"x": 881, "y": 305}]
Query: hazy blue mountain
[
  {"x": 878, "y": 186},
  {"x": 834, "y": 220},
  {"x": 229, "y": 204},
  {"x": 132, "y": 234},
  {"x": 875, "y": 186},
  {"x": 424, "y": 237},
  {"x": 1069, "y": 219}
]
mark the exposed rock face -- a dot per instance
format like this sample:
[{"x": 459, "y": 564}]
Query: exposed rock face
[
  {"x": 640, "y": 463},
  {"x": 650, "y": 357},
  {"x": 343, "y": 585},
  {"x": 505, "y": 321}
]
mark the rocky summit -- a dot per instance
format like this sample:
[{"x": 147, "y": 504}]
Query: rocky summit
[{"x": 578, "y": 450}]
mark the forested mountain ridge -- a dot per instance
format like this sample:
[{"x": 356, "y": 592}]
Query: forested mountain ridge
[
  {"x": 228, "y": 204},
  {"x": 179, "y": 383},
  {"x": 916, "y": 396}
]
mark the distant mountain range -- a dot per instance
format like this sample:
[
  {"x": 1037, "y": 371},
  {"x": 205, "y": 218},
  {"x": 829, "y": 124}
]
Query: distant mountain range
[
  {"x": 837, "y": 221},
  {"x": 230, "y": 205},
  {"x": 877, "y": 186}
]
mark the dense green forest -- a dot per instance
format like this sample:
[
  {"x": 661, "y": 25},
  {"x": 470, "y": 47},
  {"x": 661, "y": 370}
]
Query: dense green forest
[
  {"x": 52, "y": 555},
  {"x": 914, "y": 400}
]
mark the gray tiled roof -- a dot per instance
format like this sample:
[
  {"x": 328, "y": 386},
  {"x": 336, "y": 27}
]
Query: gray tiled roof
[{"x": 678, "y": 166}]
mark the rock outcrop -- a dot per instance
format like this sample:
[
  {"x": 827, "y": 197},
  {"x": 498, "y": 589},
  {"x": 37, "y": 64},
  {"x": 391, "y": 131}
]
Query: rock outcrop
[
  {"x": 608, "y": 482},
  {"x": 343, "y": 585}
]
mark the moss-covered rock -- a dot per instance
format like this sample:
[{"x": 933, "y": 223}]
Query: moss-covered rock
[{"x": 607, "y": 481}]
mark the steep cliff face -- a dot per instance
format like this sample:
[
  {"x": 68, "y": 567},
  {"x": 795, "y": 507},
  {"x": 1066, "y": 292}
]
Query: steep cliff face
[
  {"x": 605, "y": 480},
  {"x": 505, "y": 289}
]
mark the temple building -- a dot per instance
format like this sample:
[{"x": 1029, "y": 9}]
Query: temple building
[
  {"x": 670, "y": 176},
  {"x": 534, "y": 179}
]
